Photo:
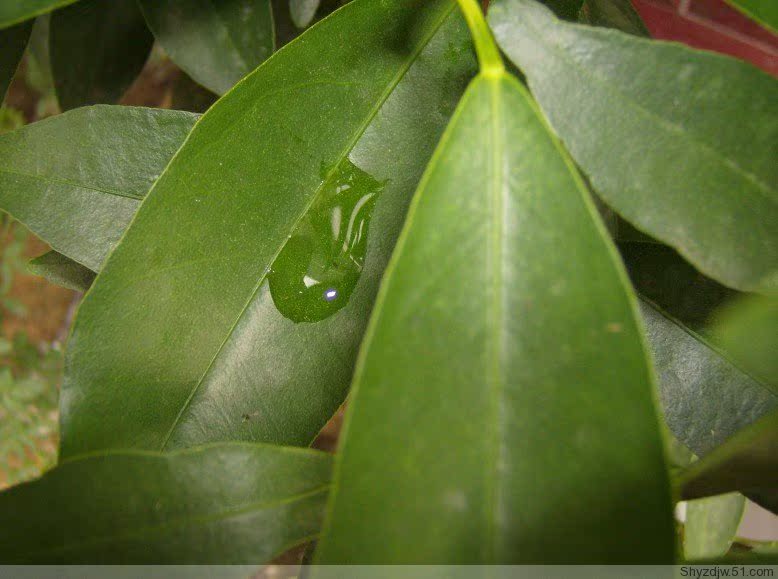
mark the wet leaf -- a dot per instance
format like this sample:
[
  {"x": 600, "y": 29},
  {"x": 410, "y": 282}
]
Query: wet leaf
[
  {"x": 682, "y": 143},
  {"x": 98, "y": 47},
  {"x": 183, "y": 310},
  {"x": 227, "y": 504}
]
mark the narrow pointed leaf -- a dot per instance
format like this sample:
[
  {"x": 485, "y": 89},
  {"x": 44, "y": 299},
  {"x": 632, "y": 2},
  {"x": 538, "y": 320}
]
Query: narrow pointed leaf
[
  {"x": 62, "y": 271},
  {"x": 618, "y": 14},
  {"x": 16, "y": 11},
  {"x": 763, "y": 11},
  {"x": 684, "y": 142},
  {"x": 303, "y": 11},
  {"x": 225, "y": 504},
  {"x": 497, "y": 371},
  {"x": 745, "y": 463},
  {"x": 76, "y": 179},
  {"x": 711, "y": 525},
  {"x": 98, "y": 47},
  {"x": 13, "y": 41},
  {"x": 216, "y": 43},
  {"x": 198, "y": 328}
]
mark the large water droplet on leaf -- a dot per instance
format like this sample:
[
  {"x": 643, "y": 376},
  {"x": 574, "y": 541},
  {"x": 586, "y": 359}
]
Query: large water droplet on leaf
[{"x": 317, "y": 270}]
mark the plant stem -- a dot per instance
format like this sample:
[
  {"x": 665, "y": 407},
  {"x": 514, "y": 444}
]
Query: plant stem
[{"x": 489, "y": 58}]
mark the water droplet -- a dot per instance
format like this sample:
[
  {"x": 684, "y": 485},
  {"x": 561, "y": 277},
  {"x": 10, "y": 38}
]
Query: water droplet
[{"x": 316, "y": 272}]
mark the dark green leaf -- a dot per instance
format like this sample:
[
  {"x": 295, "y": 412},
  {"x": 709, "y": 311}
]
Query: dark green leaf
[
  {"x": 706, "y": 398},
  {"x": 76, "y": 179},
  {"x": 498, "y": 370},
  {"x": 216, "y": 43},
  {"x": 711, "y": 525},
  {"x": 230, "y": 503},
  {"x": 763, "y": 11},
  {"x": 618, "y": 14},
  {"x": 567, "y": 9},
  {"x": 745, "y": 463},
  {"x": 62, "y": 271},
  {"x": 680, "y": 142},
  {"x": 13, "y": 41},
  {"x": 98, "y": 47},
  {"x": 179, "y": 341},
  {"x": 303, "y": 11},
  {"x": 15, "y": 11}
]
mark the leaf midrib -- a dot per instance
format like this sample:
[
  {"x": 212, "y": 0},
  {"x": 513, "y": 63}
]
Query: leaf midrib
[
  {"x": 768, "y": 193},
  {"x": 295, "y": 224},
  {"x": 55, "y": 181}
]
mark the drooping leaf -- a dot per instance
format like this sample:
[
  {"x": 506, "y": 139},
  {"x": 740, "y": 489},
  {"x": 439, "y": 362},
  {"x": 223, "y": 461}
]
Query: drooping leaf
[
  {"x": 196, "y": 349},
  {"x": 763, "y": 11},
  {"x": 618, "y": 14},
  {"x": 76, "y": 179},
  {"x": 228, "y": 503},
  {"x": 216, "y": 43},
  {"x": 13, "y": 41},
  {"x": 98, "y": 47},
  {"x": 303, "y": 11},
  {"x": 711, "y": 525},
  {"x": 495, "y": 381},
  {"x": 745, "y": 463},
  {"x": 680, "y": 142},
  {"x": 748, "y": 331},
  {"x": 705, "y": 397},
  {"x": 62, "y": 271},
  {"x": 16, "y": 11}
]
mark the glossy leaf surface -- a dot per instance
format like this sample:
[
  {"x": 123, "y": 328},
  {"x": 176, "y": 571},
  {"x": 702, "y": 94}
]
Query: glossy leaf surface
[
  {"x": 13, "y": 41},
  {"x": 682, "y": 143},
  {"x": 303, "y": 11},
  {"x": 231, "y": 503},
  {"x": 495, "y": 382},
  {"x": 711, "y": 525},
  {"x": 15, "y": 11},
  {"x": 62, "y": 271},
  {"x": 216, "y": 43},
  {"x": 98, "y": 47},
  {"x": 76, "y": 179},
  {"x": 746, "y": 463},
  {"x": 179, "y": 341},
  {"x": 763, "y": 11}
]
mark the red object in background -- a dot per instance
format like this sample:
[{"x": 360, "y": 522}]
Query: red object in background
[{"x": 711, "y": 25}]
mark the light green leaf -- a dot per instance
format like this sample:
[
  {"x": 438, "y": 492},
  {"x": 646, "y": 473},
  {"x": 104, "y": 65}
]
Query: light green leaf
[
  {"x": 13, "y": 41},
  {"x": 763, "y": 11},
  {"x": 62, "y": 271},
  {"x": 682, "y": 143},
  {"x": 711, "y": 525},
  {"x": 216, "y": 43},
  {"x": 98, "y": 47},
  {"x": 180, "y": 340},
  {"x": 497, "y": 371},
  {"x": 303, "y": 11},
  {"x": 226, "y": 504},
  {"x": 618, "y": 14},
  {"x": 745, "y": 463},
  {"x": 16, "y": 11},
  {"x": 76, "y": 179}
]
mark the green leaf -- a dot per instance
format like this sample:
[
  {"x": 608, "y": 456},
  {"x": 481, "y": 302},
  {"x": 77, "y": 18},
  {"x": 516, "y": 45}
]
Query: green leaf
[
  {"x": 763, "y": 11},
  {"x": 179, "y": 341},
  {"x": 705, "y": 397},
  {"x": 567, "y": 9},
  {"x": 303, "y": 11},
  {"x": 79, "y": 199},
  {"x": 98, "y": 47},
  {"x": 13, "y": 42},
  {"x": 498, "y": 370},
  {"x": 682, "y": 143},
  {"x": 711, "y": 525},
  {"x": 227, "y": 504},
  {"x": 16, "y": 11},
  {"x": 216, "y": 43},
  {"x": 745, "y": 463},
  {"x": 62, "y": 271},
  {"x": 618, "y": 14}
]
